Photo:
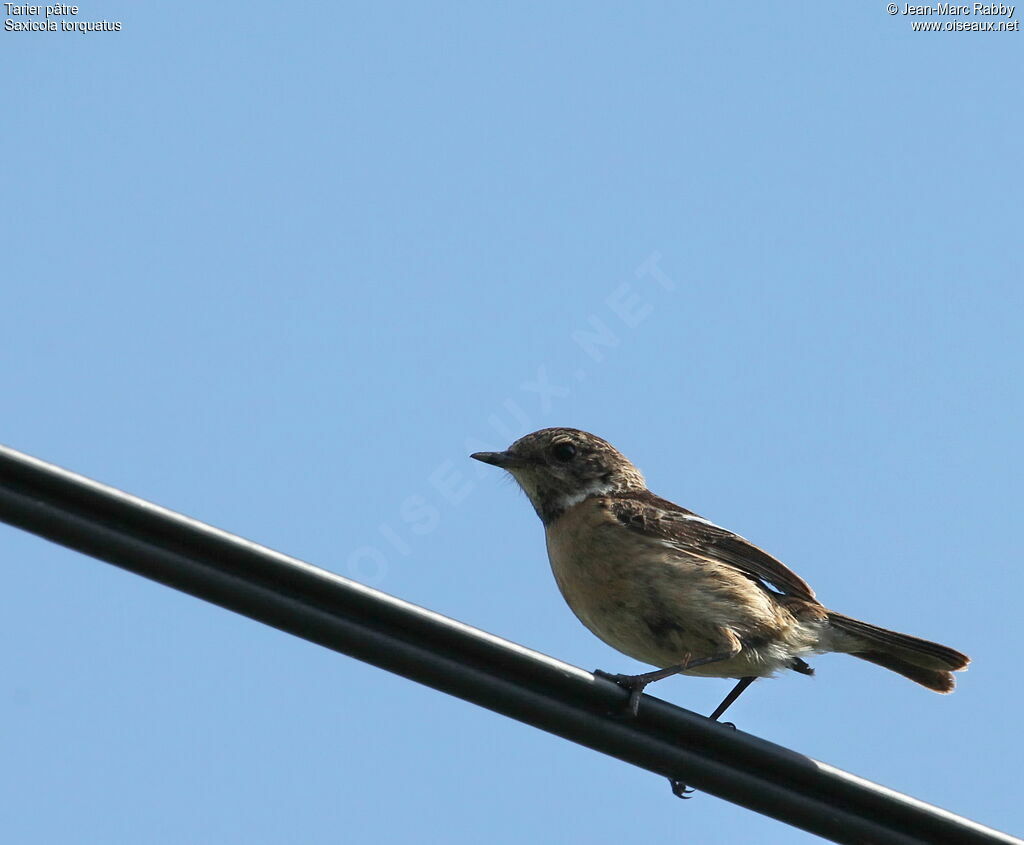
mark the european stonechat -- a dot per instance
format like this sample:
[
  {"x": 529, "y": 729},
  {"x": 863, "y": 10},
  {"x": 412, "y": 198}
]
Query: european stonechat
[{"x": 672, "y": 589}]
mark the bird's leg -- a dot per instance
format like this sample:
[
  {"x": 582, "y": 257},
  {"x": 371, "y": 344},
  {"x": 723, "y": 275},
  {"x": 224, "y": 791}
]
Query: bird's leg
[
  {"x": 735, "y": 693},
  {"x": 680, "y": 789},
  {"x": 636, "y": 683}
]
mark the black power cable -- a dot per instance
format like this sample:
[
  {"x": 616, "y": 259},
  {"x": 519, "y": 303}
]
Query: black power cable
[{"x": 461, "y": 660}]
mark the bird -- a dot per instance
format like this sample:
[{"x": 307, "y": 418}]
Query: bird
[{"x": 674, "y": 590}]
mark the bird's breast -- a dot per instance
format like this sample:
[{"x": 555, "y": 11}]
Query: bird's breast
[
  {"x": 661, "y": 605},
  {"x": 626, "y": 590}
]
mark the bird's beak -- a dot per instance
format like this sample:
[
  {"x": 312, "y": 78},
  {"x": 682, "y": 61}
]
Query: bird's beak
[{"x": 504, "y": 460}]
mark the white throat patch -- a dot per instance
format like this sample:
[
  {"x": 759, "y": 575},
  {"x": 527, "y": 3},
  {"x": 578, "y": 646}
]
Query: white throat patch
[{"x": 595, "y": 488}]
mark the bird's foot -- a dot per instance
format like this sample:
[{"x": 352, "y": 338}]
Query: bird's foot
[
  {"x": 633, "y": 684},
  {"x": 680, "y": 789}
]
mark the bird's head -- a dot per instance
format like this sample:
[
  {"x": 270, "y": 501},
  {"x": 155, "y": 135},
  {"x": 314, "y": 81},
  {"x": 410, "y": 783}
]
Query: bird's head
[{"x": 559, "y": 467}]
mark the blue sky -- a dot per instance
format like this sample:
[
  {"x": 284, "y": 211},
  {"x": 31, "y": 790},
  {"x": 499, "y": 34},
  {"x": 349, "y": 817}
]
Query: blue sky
[{"x": 282, "y": 267}]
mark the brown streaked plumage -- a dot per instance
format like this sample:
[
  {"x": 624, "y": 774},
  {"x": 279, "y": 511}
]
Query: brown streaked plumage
[{"x": 669, "y": 588}]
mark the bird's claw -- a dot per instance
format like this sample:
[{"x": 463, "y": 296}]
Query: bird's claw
[
  {"x": 633, "y": 684},
  {"x": 621, "y": 680},
  {"x": 680, "y": 789}
]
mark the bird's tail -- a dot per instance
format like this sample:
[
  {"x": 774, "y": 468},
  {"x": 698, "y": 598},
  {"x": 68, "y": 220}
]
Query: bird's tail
[{"x": 929, "y": 664}]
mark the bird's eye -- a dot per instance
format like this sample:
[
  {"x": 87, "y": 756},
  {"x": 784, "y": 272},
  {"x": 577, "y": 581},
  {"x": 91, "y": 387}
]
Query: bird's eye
[{"x": 563, "y": 452}]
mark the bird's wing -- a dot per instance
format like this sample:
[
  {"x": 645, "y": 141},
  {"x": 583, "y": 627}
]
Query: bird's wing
[{"x": 661, "y": 519}]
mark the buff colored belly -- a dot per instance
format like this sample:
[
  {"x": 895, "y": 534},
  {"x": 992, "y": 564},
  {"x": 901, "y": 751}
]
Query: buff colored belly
[{"x": 642, "y": 599}]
